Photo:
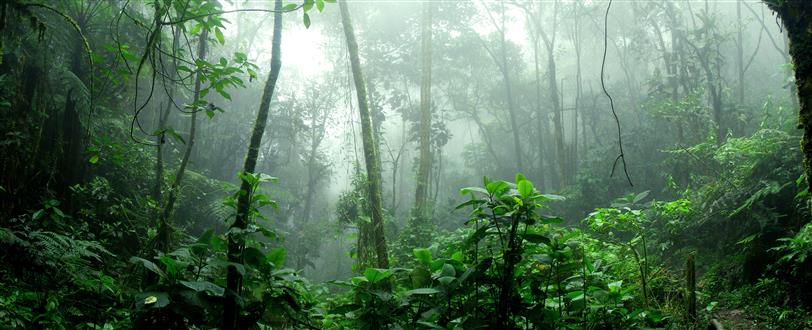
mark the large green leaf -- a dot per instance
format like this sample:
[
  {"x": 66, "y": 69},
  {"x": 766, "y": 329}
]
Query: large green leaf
[
  {"x": 204, "y": 286},
  {"x": 148, "y": 265},
  {"x": 376, "y": 275},
  {"x": 525, "y": 188},
  {"x": 277, "y": 256},
  {"x": 537, "y": 238},
  {"x": 497, "y": 187},
  {"x": 254, "y": 257},
  {"x": 423, "y": 255},
  {"x": 421, "y": 291}
]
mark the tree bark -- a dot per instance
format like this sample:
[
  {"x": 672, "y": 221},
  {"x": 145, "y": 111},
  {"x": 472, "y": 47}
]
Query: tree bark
[
  {"x": 795, "y": 17},
  {"x": 163, "y": 118},
  {"x": 740, "y": 51},
  {"x": 561, "y": 150},
  {"x": 236, "y": 245},
  {"x": 369, "y": 145},
  {"x": 425, "y": 116}
]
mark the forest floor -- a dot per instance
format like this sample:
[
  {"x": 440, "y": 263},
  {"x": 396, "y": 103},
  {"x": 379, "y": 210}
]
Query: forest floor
[{"x": 736, "y": 319}]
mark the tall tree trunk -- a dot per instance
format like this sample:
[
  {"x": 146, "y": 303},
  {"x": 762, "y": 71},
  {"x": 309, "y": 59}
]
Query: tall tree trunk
[
  {"x": 561, "y": 152},
  {"x": 425, "y": 116},
  {"x": 576, "y": 40},
  {"x": 164, "y": 237},
  {"x": 236, "y": 244},
  {"x": 163, "y": 118},
  {"x": 740, "y": 51},
  {"x": 370, "y": 147},
  {"x": 795, "y": 17},
  {"x": 504, "y": 69},
  {"x": 72, "y": 165},
  {"x": 316, "y": 136},
  {"x": 558, "y": 127},
  {"x": 514, "y": 122}
]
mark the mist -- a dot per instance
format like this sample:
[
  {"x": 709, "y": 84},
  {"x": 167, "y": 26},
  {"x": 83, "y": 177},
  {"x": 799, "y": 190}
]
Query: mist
[{"x": 258, "y": 164}]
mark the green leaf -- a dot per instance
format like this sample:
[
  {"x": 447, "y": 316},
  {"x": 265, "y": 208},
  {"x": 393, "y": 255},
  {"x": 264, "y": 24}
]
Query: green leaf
[
  {"x": 520, "y": 177},
  {"x": 219, "y": 34},
  {"x": 306, "y": 20},
  {"x": 537, "y": 238},
  {"x": 171, "y": 264},
  {"x": 640, "y": 197},
  {"x": 470, "y": 190},
  {"x": 204, "y": 286},
  {"x": 470, "y": 202},
  {"x": 525, "y": 188},
  {"x": 94, "y": 159},
  {"x": 376, "y": 275},
  {"x": 615, "y": 286},
  {"x": 277, "y": 256},
  {"x": 308, "y": 4},
  {"x": 38, "y": 214},
  {"x": 58, "y": 211},
  {"x": 175, "y": 135},
  {"x": 420, "y": 277},
  {"x": 446, "y": 280},
  {"x": 320, "y": 5},
  {"x": 546, "y": 219},
  {"x": 747, "y": 239},
  {"x": 497, "y": 187},
  {"x": 289, "y": 7},
  {"x": 254, "y": 257},
  {"x": 423, "y": 255},
  {"x": 457, "y": 256},
  {"x": 448, "y": 270},
  {"x": 148, "y": 265},
  {"x": 553, "y": 197},
  {"x": 478, "y": 235},
  {"x": 421, "y": 291}
]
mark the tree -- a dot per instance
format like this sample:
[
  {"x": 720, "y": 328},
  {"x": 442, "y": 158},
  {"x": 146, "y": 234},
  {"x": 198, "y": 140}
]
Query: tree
[
  {"x": 163, "y": 239},
  {"x": 370, "y": 147},
  {"x": 236, "y": 243},
  {"x": 425, "y": 116},
  {"x": 794, "y": 15},
  {"x": 501, "y": 61}
]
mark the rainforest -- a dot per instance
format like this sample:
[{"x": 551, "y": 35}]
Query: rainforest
[{"x": 405, "y": 164}]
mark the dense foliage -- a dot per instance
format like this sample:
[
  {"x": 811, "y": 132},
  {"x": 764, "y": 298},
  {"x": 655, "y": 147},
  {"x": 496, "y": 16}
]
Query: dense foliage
[{"x": 135, "y": 195}]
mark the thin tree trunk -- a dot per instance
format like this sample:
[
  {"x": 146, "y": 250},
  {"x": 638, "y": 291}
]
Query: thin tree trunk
[
  {"x": 163, "y": 118},
  {"x": 164, "y": 237},
  {"x": 236, "y": 245},
  {"x": 517, "y": 146},
  {"x": 501, "y": 63},
  {"x": 370, "y": 147},
  {"x": 740, "y": 51},
  {"x": 425, "y": 116},
  {"x": 576, "y": 40},
  {"x": 549, "y": 42}
]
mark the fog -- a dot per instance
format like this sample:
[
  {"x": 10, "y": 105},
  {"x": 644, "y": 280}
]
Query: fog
[{"x": 130, "y": 127}]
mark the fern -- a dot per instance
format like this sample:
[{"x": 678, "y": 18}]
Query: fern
[{"x": 76, "y": 259}]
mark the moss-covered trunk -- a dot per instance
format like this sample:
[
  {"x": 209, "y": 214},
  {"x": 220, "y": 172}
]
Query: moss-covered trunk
[
  {"x": 236, "y": 244},
  {"x": 370, "y": 147},
  {"x": 795, "y": 16}
]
